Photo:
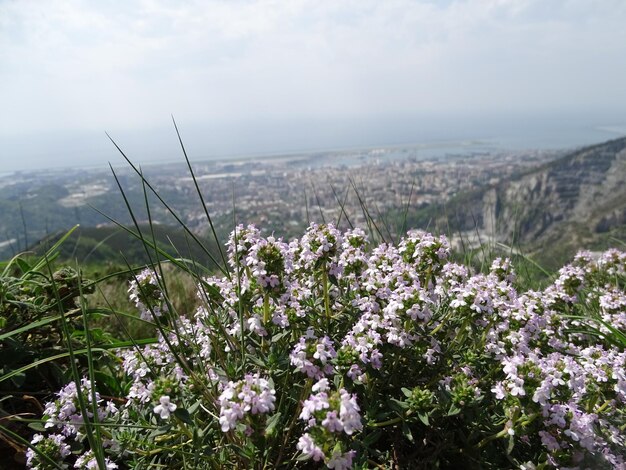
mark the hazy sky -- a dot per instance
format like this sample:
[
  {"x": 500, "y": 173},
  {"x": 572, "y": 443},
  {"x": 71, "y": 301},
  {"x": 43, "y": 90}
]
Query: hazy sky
[{"x": 246, "y": 76}]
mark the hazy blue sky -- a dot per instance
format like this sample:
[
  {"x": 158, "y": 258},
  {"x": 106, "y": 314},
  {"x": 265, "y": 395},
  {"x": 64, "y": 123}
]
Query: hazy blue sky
[{"x": 258, "y": 76}]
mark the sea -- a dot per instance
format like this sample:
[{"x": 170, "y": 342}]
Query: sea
[{"x": 346, "y": 140}]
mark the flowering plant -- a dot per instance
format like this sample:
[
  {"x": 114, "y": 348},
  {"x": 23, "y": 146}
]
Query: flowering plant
[{"x": 326, "y": 350}]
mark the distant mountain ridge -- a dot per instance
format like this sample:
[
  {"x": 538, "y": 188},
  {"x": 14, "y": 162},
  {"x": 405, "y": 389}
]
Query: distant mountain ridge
[{"x": 578, "y": 200}]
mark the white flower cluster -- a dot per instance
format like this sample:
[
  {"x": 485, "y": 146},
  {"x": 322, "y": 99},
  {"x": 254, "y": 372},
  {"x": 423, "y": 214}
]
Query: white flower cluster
[
  {"x": 398, "y": 326},
  {"x": 319, "y": 244},
  {"x": 145, "y": 292},
  {"x": 53, "y": 446},
  {"x": 328, "y": 414},
  {"x": 88, "y": 461},
  {"x": 553, "y": 372},
  {"x": 64, "y": 413},
  {"x": 253, "y": 394},
  {"x": 311, "y": 355}
]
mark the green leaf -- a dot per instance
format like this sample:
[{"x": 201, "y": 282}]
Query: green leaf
[
  {"x": 160, "y": 431},
  {"x": 212, "y": 290},
  {"x": 50, "y": 255},
  {"x": 272, "y": 422},
  {"x": 337, "y": 381},
  {"x": 372, "y": 438},
  {"x": 278, "y": 336},
  {"x": 183, "y": 415},
  {"x": 303, "y": 457},
  {"x": 398, "y": 405},
  {"x": 453, "y": 411},
  {"x": 13, "y": 373},
  {"x": 424, "y": 418},
  {"x": 509, "y": 448},
  {"x": 111, "y": 385},
  {"x": 192, "y": 409},
  {"x": 18, "y": 379},
  {"x": 249, "y": 450},
  {"x": 407, "y": 393},
  {"x": 406, "y": 432},
  {"x": 30, "y": 326},
  {"x": 24, "y": 266},
  {"x": 259, "y": 362},
  {"x": 37, "y": 426}
]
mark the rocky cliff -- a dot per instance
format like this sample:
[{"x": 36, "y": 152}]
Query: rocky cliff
[{"x": 573, "y": 201}]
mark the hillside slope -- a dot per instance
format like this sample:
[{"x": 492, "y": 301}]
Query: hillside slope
[
  {"x": 578, "y": 200},
  {"x": 112, "y": 245}
]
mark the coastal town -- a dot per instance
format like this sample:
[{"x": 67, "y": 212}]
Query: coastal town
[
  {"x": 282, "y": 194},
  {"x": 279, "y": 193}
]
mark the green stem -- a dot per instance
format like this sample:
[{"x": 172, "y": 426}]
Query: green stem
[
  {"x": 305, "y": 391},
  {"x": 266, "y": 309},
  {"x": 505, "y": 431},
  {"x": 160, "y": 450},
  {"x": 603, "y": 407},
  {"x": 443, "y": 320},
  {"x": 529, "y": 419},
  {"x": 389, "y": 422},
  {"x": 493, "y": 437},
  {"x": 266, "y": 320},
  {"x": 183, "y": 427},
  {"x": 326, "y": 297}
]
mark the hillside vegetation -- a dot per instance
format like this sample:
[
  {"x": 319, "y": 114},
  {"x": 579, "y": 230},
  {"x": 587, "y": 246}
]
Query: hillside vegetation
[
  {"x": 327, "y": 351},
  {"x": 340, "y": 348},
  {"x": 578, "y": 200},
  {"x": 112, "y": 245}
]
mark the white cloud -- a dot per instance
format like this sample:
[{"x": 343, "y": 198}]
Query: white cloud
[{"x": 72, "y": 64}]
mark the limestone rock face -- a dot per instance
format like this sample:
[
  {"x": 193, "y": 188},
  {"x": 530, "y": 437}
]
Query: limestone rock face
[{"x": 573, "y": 198}]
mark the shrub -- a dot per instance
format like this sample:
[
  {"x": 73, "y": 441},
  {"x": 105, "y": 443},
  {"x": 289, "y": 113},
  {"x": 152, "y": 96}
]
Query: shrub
[
  {"x": 33, "y": 301},
  {"x": 328, "y": 350}
]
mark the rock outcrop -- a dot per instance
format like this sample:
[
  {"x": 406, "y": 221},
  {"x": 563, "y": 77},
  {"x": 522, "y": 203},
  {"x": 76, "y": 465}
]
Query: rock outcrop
[{"x": 572, "y": 200}]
